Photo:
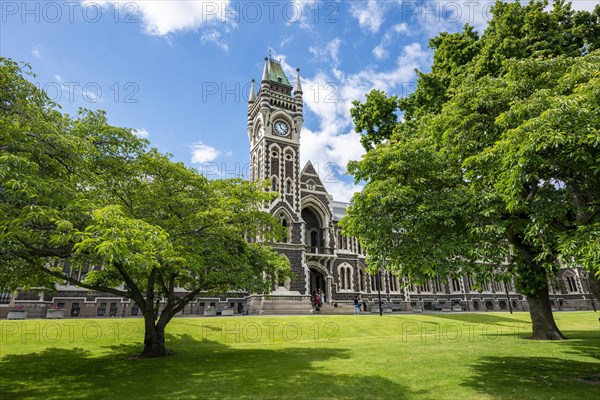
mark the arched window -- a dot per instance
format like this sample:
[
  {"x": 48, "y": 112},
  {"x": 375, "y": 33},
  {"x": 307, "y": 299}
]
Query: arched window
[
  {"x": 361, "y": 281},
  {"x": 486, "y": 286},
  {"x": 342, "y": 278},
  {"x": 469, "y": 287},
  {"x": 288, "y": 186},
  {"x": 259, "y": 172},
  {"x": 426, "y": 287},
  {"x": 274, "y": 183},
  {"x": 571, "y": 282},
  {"x": 348, "y": 278},
  {"x": 455, "y": 285},
  {"x": 437, "y": 285},
  {"x": 285, "y": 226}
]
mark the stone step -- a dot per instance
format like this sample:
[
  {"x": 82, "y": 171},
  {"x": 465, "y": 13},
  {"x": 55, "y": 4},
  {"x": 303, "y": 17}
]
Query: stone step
[{"x": 328, "y": 309}]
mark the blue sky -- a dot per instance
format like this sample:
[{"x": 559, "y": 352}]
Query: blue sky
[{"x": 179, "y": 71}]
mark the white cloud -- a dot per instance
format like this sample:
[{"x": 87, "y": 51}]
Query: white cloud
[
  {"x": 203, "y": 153},
  {"x": 302, "y": 12},
  {"x": 380, "y": 51},
  {"x": 141, "y": 133},
  {"x": 36, "y": 51},
  {"x": 329, "y": 96},
  {"x": 370, "y": 14},
  {"x": 161, "y": 18},
  {"x": 328, "y": 53},
  {"x": 438, "y": 16},
  {"x": 286, "y": 40},
  {"x": 214, "y": 36}
]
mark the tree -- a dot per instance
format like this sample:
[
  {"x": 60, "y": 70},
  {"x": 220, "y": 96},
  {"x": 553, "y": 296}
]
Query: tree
[
  {"x": 87, "y": 203},
  {"x": 472, "y": 179}
]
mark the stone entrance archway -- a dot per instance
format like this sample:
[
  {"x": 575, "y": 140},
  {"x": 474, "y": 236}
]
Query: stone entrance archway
[{"x": 319, "y": 279}]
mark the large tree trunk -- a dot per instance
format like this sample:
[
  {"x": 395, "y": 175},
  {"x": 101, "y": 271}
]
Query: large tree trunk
[
  {"x": 532, "y": 280},
  {"x": 542, "y": 319},
  {"x": 594, "y": 285},
  {"x": 154, "y": 339}
]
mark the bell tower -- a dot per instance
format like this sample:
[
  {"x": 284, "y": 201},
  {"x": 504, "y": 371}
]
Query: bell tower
[{"x": 275, "y": 119}]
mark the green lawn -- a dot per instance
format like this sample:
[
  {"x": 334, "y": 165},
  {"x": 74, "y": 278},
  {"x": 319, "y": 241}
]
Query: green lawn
[{"x": 441, "y": 356}]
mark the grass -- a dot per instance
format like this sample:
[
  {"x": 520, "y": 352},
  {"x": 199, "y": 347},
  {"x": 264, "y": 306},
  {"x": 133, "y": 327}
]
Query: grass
[{"x": 429, "y": 356}]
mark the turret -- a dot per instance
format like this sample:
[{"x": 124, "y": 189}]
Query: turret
[
  {"x": 298, "y": 86},
  {"x": 265, "y": 82},
  {"x": 252, "y": 93}
]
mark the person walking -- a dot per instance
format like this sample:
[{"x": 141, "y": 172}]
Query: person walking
[{"x": 356, "y": 306}]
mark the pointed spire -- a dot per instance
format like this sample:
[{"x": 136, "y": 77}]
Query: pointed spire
[
  {"x": 297, "y": 86},
  {"x": 265, "y": 75},
  {"x": 252, "y": 93}
]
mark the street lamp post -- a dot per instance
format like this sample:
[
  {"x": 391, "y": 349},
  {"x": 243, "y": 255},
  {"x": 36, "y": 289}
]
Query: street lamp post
[
  {"x": 379, "y": 293},
  {"x": 508, "y": 297}
]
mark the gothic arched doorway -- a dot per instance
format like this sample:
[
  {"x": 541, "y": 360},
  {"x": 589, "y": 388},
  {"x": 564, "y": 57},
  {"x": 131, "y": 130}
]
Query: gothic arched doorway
[
  {"x": 318, "y": 281},
  {"x": 314, "y": 230}
]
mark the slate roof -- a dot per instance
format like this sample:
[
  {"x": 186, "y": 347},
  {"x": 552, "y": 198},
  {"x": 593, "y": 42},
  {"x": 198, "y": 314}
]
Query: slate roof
[
  {"x": 339, "y": 210},
  {"x": 276, "y": 73}
]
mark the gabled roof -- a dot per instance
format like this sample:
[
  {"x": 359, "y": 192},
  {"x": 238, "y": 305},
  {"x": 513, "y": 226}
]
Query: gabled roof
[
  {"x": 309, "y": 169},
  {"x": 308, "y": 174},
  {"x": 276, "y": 73}
]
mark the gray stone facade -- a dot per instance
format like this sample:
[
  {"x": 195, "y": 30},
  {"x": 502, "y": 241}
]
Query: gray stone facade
[{"x": 320, "y": 256}]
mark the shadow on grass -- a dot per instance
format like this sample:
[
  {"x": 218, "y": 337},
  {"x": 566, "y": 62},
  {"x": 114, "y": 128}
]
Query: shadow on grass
[
  {"x": 583, "y": 343},
  {"x": 200, "y": 370},
  {"x": 484, "y": 318},
  {"x": 535, "y": 378}
]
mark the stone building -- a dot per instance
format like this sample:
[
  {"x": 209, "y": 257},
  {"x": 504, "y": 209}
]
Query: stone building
[{"x": 321, "y": 257}]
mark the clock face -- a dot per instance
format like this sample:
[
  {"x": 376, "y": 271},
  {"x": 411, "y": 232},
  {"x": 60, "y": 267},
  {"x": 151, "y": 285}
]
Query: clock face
[{"x": 281, "y": 128}]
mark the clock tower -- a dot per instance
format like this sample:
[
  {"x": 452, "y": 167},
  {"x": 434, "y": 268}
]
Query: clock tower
[{"x": 275, "y": 119}]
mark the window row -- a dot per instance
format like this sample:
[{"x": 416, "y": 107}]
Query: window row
[
  {"x": 458, "y": 285},
  {"x": 348, "y": 243},
  {"x": 287, "y": 189},
  {"x": 377, "y": 282}
]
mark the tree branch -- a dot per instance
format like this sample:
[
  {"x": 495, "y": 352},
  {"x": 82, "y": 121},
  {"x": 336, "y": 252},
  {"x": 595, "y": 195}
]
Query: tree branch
[
  {"x": 136, "y": 294},
  {"x": 83, "y": 285}
]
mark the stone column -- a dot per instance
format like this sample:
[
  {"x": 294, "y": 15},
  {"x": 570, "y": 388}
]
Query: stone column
[{"x": 328, "y": 289}]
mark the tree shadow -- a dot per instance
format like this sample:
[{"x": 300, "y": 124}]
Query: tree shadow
[
  {"x": 483, "y": 318},
  {"x": 200, "y": 370},
  {"x": 585, "y": 343},
  {"x": 535, "y": 378}
]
